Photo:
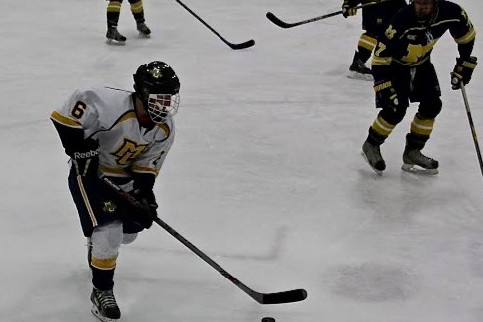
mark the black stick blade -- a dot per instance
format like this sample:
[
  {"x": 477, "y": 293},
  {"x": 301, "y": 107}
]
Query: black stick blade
[
  {"x": 277, "y": 21},
  {"x": 242, "y": 45},
  {"x": 284, "y": 297}
]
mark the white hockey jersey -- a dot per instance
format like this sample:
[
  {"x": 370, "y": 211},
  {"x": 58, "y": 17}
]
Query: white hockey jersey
[{"x": 107, "y": 115}]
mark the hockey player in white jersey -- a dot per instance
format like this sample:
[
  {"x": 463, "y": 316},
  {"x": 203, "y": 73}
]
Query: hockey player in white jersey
[{"x": 124, "y": 136}]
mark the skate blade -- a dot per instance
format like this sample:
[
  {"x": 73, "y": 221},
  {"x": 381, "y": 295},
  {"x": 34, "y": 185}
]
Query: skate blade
[
  {"x": 98, "y": 315},
  {"x": 356, "y": 75},
  {"x": 379, "y": 172},
  {"x": 113, "y": 42},
  {"x": 412, "y": 168},
  {"x": 141, "y": 35}
]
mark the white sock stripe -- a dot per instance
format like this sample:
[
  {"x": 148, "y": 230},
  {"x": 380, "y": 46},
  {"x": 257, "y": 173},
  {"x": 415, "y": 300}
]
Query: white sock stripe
[
  {"x": 385, "y": 128},
  {"x": 420, "y": 126}
]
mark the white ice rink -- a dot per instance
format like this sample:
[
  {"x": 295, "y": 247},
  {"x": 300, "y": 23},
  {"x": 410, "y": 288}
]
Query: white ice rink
[{"x": 265, "y": 175}]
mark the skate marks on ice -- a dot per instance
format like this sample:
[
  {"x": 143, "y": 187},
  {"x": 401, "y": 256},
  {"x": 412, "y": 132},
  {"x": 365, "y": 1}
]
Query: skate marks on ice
[
  {"x": 271, "y": 250},
  {"x": 373, "y": 282}
]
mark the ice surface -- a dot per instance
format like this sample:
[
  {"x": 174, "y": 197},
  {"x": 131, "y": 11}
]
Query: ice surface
[{"x": 265, "y": 174}]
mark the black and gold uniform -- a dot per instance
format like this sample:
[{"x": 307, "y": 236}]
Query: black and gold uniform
[
  {"x": 375, "y": 19},
  {"x": 403, "y": 72},
  {"x": 113, "y": 13}
]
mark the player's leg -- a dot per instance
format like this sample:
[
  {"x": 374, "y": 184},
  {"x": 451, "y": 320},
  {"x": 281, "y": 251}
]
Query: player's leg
[
  {"x": 113, "y": 13},
  {"x": 427, "y": 93},
  {"x": 137, "y": 11}
]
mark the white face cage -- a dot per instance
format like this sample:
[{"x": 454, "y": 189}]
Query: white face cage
[{"x": 162, "y": 107}]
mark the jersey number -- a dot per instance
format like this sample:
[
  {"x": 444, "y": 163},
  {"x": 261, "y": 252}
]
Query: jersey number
[{"x": 79, "y": 109}]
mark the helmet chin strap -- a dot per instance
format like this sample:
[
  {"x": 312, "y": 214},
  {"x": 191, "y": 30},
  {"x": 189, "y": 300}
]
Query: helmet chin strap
[{"x": 141, "y": 109}]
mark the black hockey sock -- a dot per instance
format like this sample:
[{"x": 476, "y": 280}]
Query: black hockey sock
[
  {"x": 137, "y": 10},
  {"x": 102, "y": 279},
  {"x": 113, "y": 12}
]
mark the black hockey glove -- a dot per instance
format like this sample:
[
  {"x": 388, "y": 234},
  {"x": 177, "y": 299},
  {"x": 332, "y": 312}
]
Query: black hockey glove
[
  {"x": 462, "y": 71},
  {"x": 348, "y": 8},
  {"x": 85, "y": 158},
  {"x": 145, "y": 216},
  {"x": 386, "y": 96}
]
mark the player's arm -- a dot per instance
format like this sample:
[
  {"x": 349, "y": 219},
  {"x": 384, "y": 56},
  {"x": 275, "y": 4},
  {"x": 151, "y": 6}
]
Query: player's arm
[
  {"x": 464, "y": 35},
  {"x": 70, "y": 121},
  {"x": 145, "y": 171}
]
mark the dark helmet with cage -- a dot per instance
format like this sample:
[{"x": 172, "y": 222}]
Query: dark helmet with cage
[
  {"x": 157, "y": 86},
  {"x": 425, "y": 10}
]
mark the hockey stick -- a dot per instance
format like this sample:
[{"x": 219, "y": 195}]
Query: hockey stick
[
  {"x": 242, "y": 45},
  {"x": 262, "y": 298},
  {"x": 472, "y": 126},
  {"x": 284, "y": 24}
]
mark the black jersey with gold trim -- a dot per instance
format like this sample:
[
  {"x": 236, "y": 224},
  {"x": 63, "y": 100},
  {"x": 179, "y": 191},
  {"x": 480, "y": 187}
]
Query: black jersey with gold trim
[
  {"x": 410, "y": 42},
  {"x": 377, "y": 17}
]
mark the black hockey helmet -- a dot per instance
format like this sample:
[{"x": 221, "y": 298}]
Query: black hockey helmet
[
  {"x": 157, "y": 85},
  {"x": 422, "y": 14}
]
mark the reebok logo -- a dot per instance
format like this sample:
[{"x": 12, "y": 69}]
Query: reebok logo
[{"x": 86, "y": 155}]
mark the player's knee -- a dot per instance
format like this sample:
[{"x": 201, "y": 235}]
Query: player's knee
[
  {"x": 106, "y": 240},
  {"x": 430, "y": 109},
  {"x": 392, "y": 116},
  {"x": 129, "y": 238}
]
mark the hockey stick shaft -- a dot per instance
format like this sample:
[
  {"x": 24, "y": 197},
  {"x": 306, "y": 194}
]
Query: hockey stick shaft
[
  {"x": 262, "y": 298},
  {"x": 284, "y": 24},
  {"x": 243, "y": 45},
  {"x": 472, "y": 127}
]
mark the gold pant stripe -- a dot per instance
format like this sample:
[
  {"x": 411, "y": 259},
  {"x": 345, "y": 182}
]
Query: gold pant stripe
[
  {"x": 104, "y": 264},
  {"x": 86, "y": 201}
]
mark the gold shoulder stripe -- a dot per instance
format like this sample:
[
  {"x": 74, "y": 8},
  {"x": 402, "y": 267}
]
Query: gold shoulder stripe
[
  {"x": 470, "y": 35},
  {"x": 165, "y": 128},
  {"x": 59, "y": 118},
  {"x": 127, "y": 116}
]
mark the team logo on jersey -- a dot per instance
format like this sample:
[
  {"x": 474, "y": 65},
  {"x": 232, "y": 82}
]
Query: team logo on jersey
[
  {"x": 390, "y": 32},
  {"x": 128, "y": 152},
  {"x": 109, "y": 207}
]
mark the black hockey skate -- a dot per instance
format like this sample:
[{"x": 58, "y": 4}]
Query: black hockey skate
[
  {"x": 143, "y": 30},
  {"x": 416, "y": 162},
  {"x": 114, "y": 37},
  {"x": 372, "y": 154},
  {"x": 104, "y": 305},
  {"x": 359, "y": 70}
]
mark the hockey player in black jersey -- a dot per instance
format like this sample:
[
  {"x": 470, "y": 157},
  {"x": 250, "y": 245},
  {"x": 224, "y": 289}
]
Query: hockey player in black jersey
[
  {"x": 403, "y": 73},
  {"x": 113, "y": 12},
  {"x": 375, "y": 19}
]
